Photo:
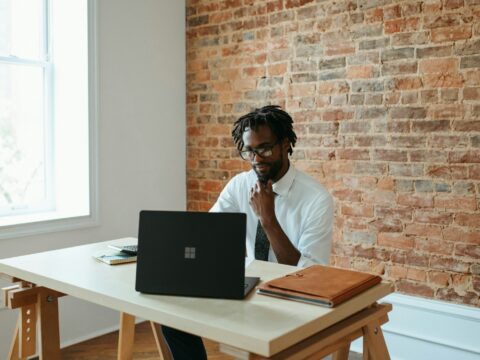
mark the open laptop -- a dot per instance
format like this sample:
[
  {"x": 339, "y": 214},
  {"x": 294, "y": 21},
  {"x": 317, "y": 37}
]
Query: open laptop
[{"x": 192, "y": 254}]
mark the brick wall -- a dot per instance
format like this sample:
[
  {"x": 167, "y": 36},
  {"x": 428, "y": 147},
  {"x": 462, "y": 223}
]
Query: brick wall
[{"x": 386, "y": 101}]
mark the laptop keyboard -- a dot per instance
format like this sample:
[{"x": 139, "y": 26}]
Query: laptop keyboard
[{"x": 127, "y": 249}]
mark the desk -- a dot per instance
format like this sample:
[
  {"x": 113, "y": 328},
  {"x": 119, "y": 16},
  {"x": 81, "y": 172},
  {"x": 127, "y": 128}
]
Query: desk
[{"x": 258, "y": 327}]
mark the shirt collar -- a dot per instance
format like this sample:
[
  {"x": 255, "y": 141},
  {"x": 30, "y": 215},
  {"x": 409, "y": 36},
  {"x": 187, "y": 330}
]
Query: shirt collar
[{"x": 282, "y": 186}]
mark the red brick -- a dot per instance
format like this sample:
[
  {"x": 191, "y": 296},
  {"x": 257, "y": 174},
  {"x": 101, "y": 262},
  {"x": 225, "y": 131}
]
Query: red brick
[
  {"x": 466, "y": 219},
  {"x": 299, "y": 90},
  {"x": 254, "y": 71},
  {"x": 443, "y": 81},
  {"x": 471, "y": 93},
  {"x": 450, "y": 295},
  {"x": 374, "y": 15},
  {"x": 432, "y": 6},
  {"x": 228, "y": 4},
  {"x": 379, "y": 197},
  {"x": 472, "y": 251},
  {"x": 443, "y": 66},
  {"x": 444, "y": 263},
  {"x": 447, "y": 111},
  {"x": 416, "y": 274},
  {"x": 296, "y": 3},
  {"x": 470, "y": 156},
  {"x": 198, "y": 195},
  {"x": 392, "y": 12},
  {"x": 461, "y": 282},
  {"x": 363, "y": 183},
  {"x": 396, "y": 272},
  {"x": 415, "y": 200},
  {"x": 397, "y": 212},
  {"x": 277, "y": 69},
  {"x": 453, "y": 4},
  {"x": 461, "y": 235},
  {"x": 412, "y": 288},
  {"x": 386, "y": 184},
  {"x": 447, "y": 172},
  {"x": 339, "y": 114},
  {"x": 395, "y": 240},
  {"x": 357, "y": 210},
  {"x": 353, "y": 154},
  {"x": 342, "y": 262},
  {"x": 472, "y": 77},
  {"x": 407, "y": 83},
  {"x": 434, "y": 246},
  {"x": 401, "y": 25},
  {"x": 386, "y": 225},
  {"x": 452, "y": 33},
  {"x": 455, "y": 202},
  {"x": 438, "y": 278},
  {"x": 333, "y": 87},
  {"x": 231, "y": 164},
  {"x": 423, "y": 230},
  {"x": 359, "y": 72},
  {"x": 341, "y": 49},
  {"x": 202, "y": 8},
  {"x": 347, "y": 195},
  {"x": 433, "y": 217},
  {"x": 276, "y": 5}
]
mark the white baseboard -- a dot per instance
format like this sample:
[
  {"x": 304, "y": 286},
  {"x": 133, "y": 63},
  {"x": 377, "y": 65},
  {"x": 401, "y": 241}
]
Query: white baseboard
[{"x": 430, "y": 329}]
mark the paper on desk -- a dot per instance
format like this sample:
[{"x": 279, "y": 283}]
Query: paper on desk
[{"x": 248, "y": 261}]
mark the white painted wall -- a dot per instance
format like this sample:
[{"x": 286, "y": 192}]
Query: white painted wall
[
  {"x": 420, "y": 329},
  {"x": 141, "y": 70}
]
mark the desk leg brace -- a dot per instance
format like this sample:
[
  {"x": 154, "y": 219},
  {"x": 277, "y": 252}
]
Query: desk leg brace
[
  {"x": 336, "y": 339},
  {"x": 36, "y": 304}
]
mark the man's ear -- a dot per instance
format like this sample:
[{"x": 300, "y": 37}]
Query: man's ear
[{"x": 285, "y": 144}]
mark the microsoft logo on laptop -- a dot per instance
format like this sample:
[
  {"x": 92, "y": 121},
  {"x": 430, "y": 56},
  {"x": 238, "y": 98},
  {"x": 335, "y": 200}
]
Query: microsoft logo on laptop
[{"x": 189, "y": 252}]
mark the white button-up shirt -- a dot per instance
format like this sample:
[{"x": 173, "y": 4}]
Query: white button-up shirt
[{"x": 303, "y": 207}]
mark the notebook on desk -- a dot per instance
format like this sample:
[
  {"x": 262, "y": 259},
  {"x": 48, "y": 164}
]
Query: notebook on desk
[{"x": 192, "y": 254}]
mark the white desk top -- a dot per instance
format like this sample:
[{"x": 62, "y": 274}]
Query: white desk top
[{"x": 259, "y": 324}]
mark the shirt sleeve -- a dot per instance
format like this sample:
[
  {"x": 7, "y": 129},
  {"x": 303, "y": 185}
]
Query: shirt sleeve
[
  {"x": 227, "y": 200},
  {"x": 315, "y": 241}
]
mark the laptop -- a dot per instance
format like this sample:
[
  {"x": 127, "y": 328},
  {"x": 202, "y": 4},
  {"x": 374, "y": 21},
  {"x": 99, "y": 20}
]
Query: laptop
[{"x": 195, "y": 254}]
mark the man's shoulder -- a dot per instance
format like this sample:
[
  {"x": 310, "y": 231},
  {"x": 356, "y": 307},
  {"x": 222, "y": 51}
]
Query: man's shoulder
[
  {"x": 309, "y": 185},
  {"x": 243, "y": 178}
]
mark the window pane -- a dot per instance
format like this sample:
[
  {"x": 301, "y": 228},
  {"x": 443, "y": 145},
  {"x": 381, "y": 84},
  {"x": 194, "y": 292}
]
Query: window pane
[
  {"x": 22, "y": 139},
  {"x": 21, "y": 28}
]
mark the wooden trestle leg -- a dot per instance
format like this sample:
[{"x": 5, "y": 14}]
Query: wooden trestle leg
[{"x": 36, "y": 304}]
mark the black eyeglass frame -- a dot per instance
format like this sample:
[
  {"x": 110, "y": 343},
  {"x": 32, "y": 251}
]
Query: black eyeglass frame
[{"x": 264, "y": 151}]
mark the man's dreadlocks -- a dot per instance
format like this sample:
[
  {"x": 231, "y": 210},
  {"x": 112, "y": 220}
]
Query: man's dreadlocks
[{"x": 272, "y": 116}]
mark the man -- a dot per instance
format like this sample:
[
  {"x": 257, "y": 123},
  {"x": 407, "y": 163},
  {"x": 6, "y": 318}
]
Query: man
[{"x": 289, "y": 214}]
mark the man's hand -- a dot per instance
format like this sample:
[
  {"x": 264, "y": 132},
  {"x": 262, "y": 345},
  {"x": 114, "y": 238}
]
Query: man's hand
[{"x": 262, "y": 201}]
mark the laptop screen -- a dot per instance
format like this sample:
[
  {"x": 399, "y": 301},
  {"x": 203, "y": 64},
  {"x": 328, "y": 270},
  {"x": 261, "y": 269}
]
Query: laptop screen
[{"x": 191, "y": 253}]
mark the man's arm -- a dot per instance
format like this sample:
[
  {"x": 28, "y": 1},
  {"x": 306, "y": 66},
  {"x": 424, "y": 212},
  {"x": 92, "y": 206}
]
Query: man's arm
[
  {"x": 315, "y": 241},
  {"x": 226, "y": 201},
  {"x": 262, "y": 201}
]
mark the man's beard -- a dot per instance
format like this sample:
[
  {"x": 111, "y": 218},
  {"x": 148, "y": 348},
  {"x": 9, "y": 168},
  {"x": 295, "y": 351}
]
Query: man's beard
[{"x": 272, "y": 171}]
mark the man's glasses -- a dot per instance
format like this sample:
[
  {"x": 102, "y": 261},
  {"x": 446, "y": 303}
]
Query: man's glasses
[{"x": 264, "y": 151}]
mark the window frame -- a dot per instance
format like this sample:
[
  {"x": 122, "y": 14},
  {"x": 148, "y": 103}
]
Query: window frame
[
  {"x": 50, "y": 223},
  {"x": 44, "y": 63}
]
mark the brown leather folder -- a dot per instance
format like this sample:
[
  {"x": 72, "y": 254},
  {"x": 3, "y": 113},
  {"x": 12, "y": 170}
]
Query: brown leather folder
[{"x": 321, "y": 285}]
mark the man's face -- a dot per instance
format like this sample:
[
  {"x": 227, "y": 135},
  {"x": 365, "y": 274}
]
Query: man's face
[{"x": 273, "y": 166}]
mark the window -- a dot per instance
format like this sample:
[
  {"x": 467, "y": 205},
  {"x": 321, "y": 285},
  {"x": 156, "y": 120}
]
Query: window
[{"x": 47, "y": 116}]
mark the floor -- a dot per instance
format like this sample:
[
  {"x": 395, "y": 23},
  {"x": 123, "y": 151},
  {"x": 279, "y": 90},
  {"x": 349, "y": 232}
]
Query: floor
[{"x": 105, "y": 347}]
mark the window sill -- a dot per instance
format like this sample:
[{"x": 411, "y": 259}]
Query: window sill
[{"x": 26, "y": 225}]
